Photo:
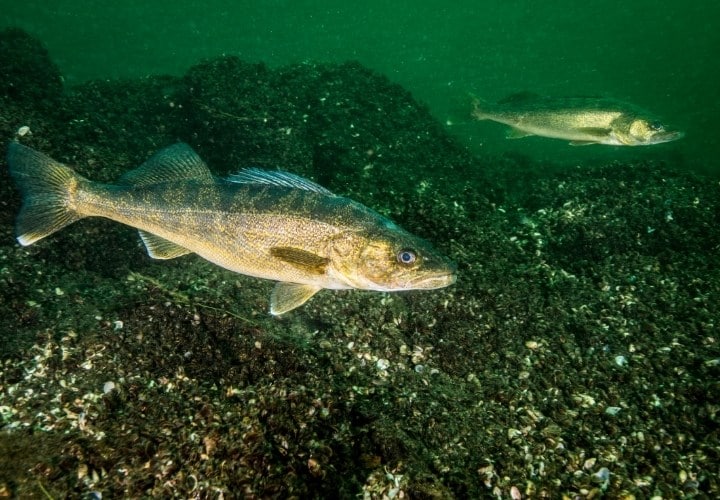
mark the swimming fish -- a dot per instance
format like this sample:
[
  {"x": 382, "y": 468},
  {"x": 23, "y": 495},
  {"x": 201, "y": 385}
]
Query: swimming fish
[
  {"x": 268, "y": 224},
  {"x": 580, "y": 120}
]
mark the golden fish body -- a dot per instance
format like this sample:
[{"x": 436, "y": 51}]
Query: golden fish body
[
  {"x": 580, "y": 120},
  {"x": 271, "y": 225}
]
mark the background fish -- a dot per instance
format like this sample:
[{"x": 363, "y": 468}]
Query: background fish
[
  {"x": 272, "y": 225},
  {"x": 580, "y": 120}
]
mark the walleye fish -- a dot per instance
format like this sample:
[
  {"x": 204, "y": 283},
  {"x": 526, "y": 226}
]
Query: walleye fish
[
  {"x": 267, "y": 224},
  {"x": 580, "y": 120}
]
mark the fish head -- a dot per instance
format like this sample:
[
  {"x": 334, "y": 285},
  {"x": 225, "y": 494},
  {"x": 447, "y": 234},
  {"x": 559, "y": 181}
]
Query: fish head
[
  {"x": 388, "y": 258},
  {"x": 642, "y": 131}
]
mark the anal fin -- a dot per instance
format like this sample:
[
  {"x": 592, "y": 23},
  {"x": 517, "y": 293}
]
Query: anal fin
[
  {"x": 287, "y": 296},
  {"x": 516, "y": 133},
  {"x": 160, "y": 248}
]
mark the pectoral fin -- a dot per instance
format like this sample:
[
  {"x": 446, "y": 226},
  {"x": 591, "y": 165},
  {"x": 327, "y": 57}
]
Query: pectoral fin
[
  {"x": 598, "y": 132},
  {"x": 301, "y": 259},
  {"x": 160, "y": 248},
  {"x": 287, "y": 296}
]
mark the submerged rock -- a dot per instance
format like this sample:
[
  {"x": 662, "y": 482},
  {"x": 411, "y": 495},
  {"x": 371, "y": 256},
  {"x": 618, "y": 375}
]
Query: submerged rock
[
  {"x": 131, "y": 378},
  {"x": 27, "y": 74}
]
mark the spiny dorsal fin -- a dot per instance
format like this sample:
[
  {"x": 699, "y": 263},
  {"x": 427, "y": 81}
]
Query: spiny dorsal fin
[
  {"x": 301, "y": 259},
  {"x": 277, "y": 178},
  {"x": 160, "y": 248},
  {"x": 175, "y": 163},
  {"x": 287, "y": 296}
]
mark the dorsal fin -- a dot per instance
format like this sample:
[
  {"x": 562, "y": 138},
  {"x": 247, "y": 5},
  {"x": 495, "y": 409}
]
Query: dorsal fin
[
  {"x": 277, "y": 178},
  {"x": 519, "y": 97},
  {"x": 175, "y": 163}
]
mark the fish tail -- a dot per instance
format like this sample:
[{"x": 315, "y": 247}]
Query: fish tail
[
  {"x": 48, "y": 190},
  {"x": 478, "y": 106}
]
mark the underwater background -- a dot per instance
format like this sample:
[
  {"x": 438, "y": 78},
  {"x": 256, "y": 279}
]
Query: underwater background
[
  {"x": 577, "y": 356},
  {"x": 661, "y": 56}
]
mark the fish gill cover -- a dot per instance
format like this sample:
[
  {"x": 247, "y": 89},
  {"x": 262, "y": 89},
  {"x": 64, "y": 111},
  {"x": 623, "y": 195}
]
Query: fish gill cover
[{"x": 576, "y": 355}]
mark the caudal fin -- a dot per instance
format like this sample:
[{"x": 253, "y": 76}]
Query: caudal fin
[
  {"x": 47, "y": 189},
  {"x": 478, "y": 108}
]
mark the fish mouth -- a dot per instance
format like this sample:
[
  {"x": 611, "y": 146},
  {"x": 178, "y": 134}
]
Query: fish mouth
[
  {"x": 432, "y": 280},
  {"x": 666, "y": 137}
]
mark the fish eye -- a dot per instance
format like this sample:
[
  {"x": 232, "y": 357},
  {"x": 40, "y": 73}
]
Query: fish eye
[
  {"x": 657, "y": 126},
  {"x": 406, "y": 257}
]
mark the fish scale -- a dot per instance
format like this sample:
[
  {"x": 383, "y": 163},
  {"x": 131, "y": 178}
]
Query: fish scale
[
  {"x": 271, "y": 225},
  {"x": 580, "y": 120}
]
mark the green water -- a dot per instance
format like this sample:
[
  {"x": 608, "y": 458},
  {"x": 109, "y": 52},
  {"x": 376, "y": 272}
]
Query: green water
[
  {"x": 576, "y": 355},
  {"x": 659, "y": 55}
]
